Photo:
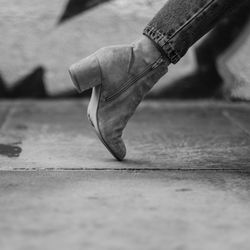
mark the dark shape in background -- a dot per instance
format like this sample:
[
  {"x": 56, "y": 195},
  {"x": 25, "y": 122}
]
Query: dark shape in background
[
  {"x": 31, "y": 86},
  {"x": 10, "y": 150},
  {"x": 3, "y": 90},
  {"x": 76, "y": 7},
  {"x": 72, "y": 94},
  {"x": 200, "y": 84}
]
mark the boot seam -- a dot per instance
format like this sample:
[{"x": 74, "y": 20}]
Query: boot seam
[{"x": 133, "y": 80}]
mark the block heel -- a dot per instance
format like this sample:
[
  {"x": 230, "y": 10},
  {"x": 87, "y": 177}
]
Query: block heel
[{"x": 86, "y": 74}]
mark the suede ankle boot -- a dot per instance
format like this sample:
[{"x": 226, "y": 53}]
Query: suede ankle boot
[{"x": 120, "y": 77}]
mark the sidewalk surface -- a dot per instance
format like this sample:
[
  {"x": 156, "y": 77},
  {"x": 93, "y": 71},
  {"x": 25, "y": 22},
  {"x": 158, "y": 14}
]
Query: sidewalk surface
[{"x": 185, "y": 183}]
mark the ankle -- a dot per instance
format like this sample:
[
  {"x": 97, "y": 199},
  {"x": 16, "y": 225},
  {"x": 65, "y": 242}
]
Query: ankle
[{"x": 148, "y": 48}]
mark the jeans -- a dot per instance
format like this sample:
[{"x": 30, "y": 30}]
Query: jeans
[{"x": 180, "y": 23}]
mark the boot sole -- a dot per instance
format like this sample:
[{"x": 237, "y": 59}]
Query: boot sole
[{"x": 93, "y": 105}]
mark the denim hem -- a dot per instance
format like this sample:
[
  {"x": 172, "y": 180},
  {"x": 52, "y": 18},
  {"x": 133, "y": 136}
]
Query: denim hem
[{"x": 161, "y": 39}]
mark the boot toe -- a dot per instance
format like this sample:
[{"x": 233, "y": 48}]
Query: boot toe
[
  {"x": 116, "y": 147},
  {"x": 120, "y": 152}
]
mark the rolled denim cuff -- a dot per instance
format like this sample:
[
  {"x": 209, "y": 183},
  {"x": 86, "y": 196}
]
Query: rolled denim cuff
[{"x": 162, "y": 43}]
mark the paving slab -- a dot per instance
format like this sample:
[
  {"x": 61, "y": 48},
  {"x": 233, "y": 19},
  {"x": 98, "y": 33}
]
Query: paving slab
[
  {"x": 162, "y": 135},
  {"x": 184, "y": 186},
  {"x": 148, "y": 210}
]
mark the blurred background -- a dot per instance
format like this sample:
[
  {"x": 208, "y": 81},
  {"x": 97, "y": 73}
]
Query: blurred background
[{"x": 41, "y": 38}]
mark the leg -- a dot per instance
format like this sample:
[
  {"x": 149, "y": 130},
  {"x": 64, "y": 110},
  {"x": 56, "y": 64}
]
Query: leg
[
  {"x": 122, "y": 75},
  {"x": 180, "y": 23}
]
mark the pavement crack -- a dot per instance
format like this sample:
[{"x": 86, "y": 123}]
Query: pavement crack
[
  {"x": 23, "y": 169},
  {"x": 235, "y": 122},
  {"x": 5, "y": 117}
]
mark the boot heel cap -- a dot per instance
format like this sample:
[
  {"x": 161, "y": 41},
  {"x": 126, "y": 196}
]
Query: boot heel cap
[
  {"x": 74, "y": 79},
  {"x": 85, "y": 74}
]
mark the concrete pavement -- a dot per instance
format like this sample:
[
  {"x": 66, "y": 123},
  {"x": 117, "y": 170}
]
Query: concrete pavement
[
  {"x": 164, "y": 135},
  {"x": 138, "y": 210},
  {"x": 184, "y": 186}
]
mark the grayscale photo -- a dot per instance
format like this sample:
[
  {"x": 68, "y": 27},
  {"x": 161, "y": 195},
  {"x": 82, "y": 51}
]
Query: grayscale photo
[{"x": 125, "y": 125}]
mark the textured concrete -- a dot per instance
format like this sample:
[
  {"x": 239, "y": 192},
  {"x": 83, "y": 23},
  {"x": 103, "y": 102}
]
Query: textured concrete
[
  {"x": 184, "y": 186},
  {"x": 197, "y": 210},
  {"x": 164, "y": 135}
]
